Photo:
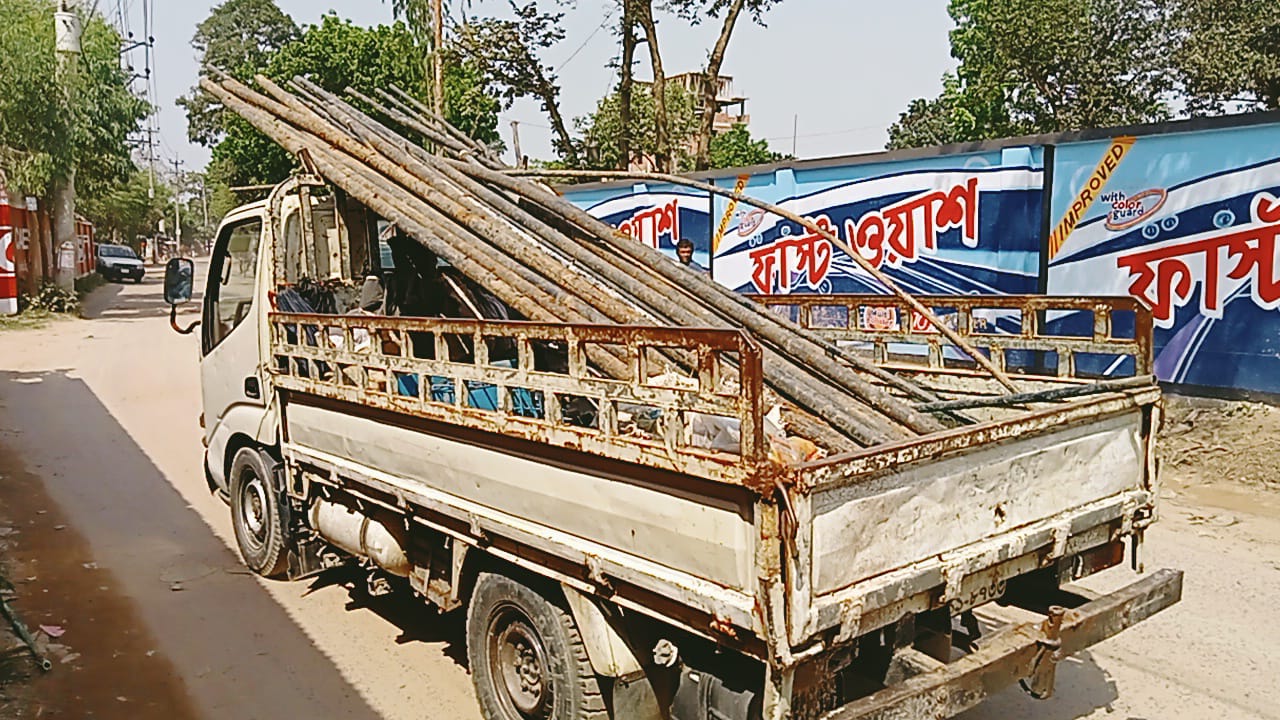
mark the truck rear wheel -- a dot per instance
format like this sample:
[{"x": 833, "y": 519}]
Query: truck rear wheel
[
  {"x": 256, "y": 514},
  {"x": 526, "y": 655}
]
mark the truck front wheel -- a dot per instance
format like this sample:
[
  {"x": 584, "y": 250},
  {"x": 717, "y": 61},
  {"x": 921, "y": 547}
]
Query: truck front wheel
[
  {"x": 526, "y": 655},
  {"x": 256, "y": 513}
]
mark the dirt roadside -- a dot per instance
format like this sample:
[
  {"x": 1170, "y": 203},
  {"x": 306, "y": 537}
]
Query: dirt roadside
[{"x": 105, "y": 660}]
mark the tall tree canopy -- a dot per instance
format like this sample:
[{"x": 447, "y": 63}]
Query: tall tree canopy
[
  {"x": 600, "y": 133},
  {"x": 55, "y": 134},
  {"x": 1229, "y": 54},
  {"x": 505, "y": 52},
  {"x": 335, "y": 54},
  {"x": 239, "y": 37},
  {"x": 1033, "y": 66},
  {"x": 42, "y": 132}
]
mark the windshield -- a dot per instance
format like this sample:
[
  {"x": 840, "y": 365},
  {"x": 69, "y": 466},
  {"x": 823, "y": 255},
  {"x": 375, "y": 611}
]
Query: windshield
[{"x": 119, "y": 251}]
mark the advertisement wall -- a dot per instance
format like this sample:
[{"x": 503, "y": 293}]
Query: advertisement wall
[
  {"x": 962, "y": 224},
  {"x": 1182, "y": 216},
  {"x": 1186, "y": 223}
]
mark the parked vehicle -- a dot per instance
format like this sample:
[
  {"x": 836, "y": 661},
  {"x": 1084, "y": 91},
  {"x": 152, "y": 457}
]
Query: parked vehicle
[
  {"x": 635, "y": 546},
  {"x": 118, "y": 263}
]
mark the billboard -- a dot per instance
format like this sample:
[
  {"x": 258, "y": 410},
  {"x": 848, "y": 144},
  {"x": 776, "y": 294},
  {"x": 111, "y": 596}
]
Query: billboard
[
  {"x": 1187, "y": 224},
  {"x": 658, "y": 216},
  {"x": 963, "y": 224}
]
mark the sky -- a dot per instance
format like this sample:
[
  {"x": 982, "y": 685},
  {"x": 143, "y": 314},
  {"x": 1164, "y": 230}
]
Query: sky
[{"x": 832, "y": 73}]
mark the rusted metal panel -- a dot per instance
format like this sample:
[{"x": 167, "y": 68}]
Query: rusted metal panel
[
  {"x": 855, "y": 466},
  {"x": 369, "y": 360},
  {"x": 1027, "y": 651},
  {"x": 880, "y": 320},
  {"x": 969, "y": 576}
]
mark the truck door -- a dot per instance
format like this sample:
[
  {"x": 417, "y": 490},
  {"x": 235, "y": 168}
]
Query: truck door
[{"x": 231, "y": 378}]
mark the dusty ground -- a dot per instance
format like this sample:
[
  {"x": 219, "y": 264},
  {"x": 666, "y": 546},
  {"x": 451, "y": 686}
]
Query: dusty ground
[{"x": 134, "y": 559}]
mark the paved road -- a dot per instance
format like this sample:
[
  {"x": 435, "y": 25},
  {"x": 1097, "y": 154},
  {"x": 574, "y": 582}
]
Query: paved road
[{"x": 98, "y": 434}]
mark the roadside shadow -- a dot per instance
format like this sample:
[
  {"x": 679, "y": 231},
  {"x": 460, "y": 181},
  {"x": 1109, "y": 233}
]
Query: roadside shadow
[
  {"x": 237, "y": 650},
  {"x": 115, "y": 301},
  {"x": 417, "y": 621}
]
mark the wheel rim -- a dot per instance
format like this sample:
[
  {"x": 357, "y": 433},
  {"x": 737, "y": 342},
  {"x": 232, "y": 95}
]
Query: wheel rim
[
  {"x": 518, "y": 666},
  {"x": 253, "y": 507}
]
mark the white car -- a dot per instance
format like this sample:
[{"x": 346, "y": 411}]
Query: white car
[{"x": 119, "y": 262}]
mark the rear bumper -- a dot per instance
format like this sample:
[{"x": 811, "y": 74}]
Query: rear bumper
[{"x": 1027, "y": 653}]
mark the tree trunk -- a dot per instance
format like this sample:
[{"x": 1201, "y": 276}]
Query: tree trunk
[
  {"x": 624, "y": 86},
  {"x": 38, "y": 254},
  {"x": 63, "y": 213},
  {"x": 552, "y": 106},
  {"x": 706, "y": 124},
  {"x": 662, "y": 144}
]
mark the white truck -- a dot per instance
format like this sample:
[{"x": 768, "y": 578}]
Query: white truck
[{"x": 363, "y": 405}]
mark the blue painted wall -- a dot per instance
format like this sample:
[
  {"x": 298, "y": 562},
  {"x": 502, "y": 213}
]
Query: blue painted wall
[{"x": 1184, "y": 221}]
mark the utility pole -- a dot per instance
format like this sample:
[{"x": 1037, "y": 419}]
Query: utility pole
[
  {"x": 177, "y": 194},
  {"x": 437, "y": 22},
  {"x": 515, "y": 140},
  {"x": 67, "y": 42}
]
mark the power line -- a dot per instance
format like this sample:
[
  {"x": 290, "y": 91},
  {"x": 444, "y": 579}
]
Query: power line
[
  {"x": 607, "y": 19},
  {"x": 861, "y": 128}
]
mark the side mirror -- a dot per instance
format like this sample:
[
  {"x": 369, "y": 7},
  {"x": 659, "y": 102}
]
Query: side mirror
[{"x": 179, "y": 280}]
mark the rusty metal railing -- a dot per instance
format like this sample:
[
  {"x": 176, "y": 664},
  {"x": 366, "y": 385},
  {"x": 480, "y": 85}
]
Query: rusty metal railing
[
  {"x": 536, "y": 381},
  {"x": 1031, "y": 334}
]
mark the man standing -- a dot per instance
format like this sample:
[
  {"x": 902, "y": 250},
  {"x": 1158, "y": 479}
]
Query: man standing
[{"x": 684, "y": 252}]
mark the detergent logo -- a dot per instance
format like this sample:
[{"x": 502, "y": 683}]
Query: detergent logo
[
  {"x": 1165, "y": 278},
  {"x": 750, "y": 222},
  {"x": 1128, "y": 211},
  {"x": 650, "y": 225}
]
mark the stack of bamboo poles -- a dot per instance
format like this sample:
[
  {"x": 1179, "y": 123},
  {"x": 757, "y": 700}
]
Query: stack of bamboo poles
[{"x": 553, "y": 262}]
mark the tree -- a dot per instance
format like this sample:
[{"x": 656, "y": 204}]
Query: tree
[
  {"x": 601, "y": 132},
  {"x": 128, "y": 210},
  {"x": 505, "y": 53},
  {"x": 952, "y": 117},
  {"x": 696, "y": 11},
  {"x": 337, "y": 54},
  {"x": 1038, "y": 66},
  {"x": 601, "y": 143},
  {"x": 52, "y": 136},
  {"x": 736, "y": 148},
  {"x": 662, "y": 154},
  {"x": 238, "y": 37},
  {"x": 1229, "y": 54}
]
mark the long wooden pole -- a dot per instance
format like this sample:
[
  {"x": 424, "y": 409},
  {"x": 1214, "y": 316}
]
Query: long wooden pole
[{"x": 807, "y": 224}]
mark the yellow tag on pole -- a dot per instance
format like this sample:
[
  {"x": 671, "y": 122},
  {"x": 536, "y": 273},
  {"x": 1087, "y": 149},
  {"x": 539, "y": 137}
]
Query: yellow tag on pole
[
  {"x": 1089, "y": 193},
  {"x": 738, "y": 187}
]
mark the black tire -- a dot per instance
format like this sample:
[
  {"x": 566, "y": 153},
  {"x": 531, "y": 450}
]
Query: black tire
[
  {"x": 257, "y": 516},
  {"x": 519, "y": 641}
]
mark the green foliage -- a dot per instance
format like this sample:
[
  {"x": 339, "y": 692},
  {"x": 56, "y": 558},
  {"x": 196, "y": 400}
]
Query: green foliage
[
  {"x": 736, "y": 148},
  {"x": 335, "y": 54},
  {"x": 238, "y": 37},
  {"x": 505, "y": 53},
  {"x": 600, "y": 131},
  {"x": 1230, "y": 54},
  {"x": 128, "y": 210},
  {"x": 46, "y": 131},
  {"x": 52, "y": 299},
  {"x": 1037, "y": 66}
]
